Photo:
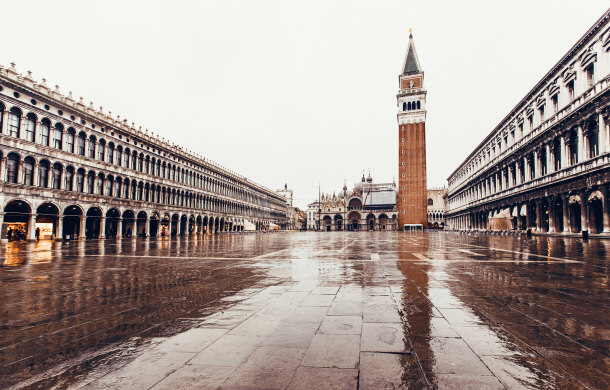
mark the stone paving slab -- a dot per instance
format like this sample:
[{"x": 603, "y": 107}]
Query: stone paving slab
[{"x": 401, "y": 321}]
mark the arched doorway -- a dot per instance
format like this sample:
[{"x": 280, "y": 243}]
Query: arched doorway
[
  {"x": 338, "y": 222},
  {"x": 383, "y": 222},
  {"x": 353, "y": 219},
  {"x": 165, "y": 225},
  {"x": 205, "y": 224},
  {"x": 575, "y": 217},
  {"x": 72, "y": 216},
  {"x": 198, "y": 225},
  {"x": 370, "y": 222},
  {"x": 128, "y": 223},
  {"x": 183, "y": 222},
  {"x": 557, "y": 214},
  {"x": 112, "y": 222},
  {"x": 326, "y": 223},
  {"x": 191, "y": 229},
  {"x": 46, "y": 221},
  {"x": 92, "y": 224},
  {"x": 154, "y": 225},
  {"x": 216, "y": 224},
  {"x": 174, "y": 227},
  {"x": 16, "y": 218},
  {"x": 141, "y": 223},
  {"x": 596, "y": 212}
]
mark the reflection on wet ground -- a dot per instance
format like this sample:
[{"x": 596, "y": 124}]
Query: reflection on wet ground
[{"x": 306, "y": 310}]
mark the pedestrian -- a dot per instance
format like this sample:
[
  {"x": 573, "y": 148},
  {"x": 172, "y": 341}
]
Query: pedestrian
[
  {"x": 9, "y": 234},
  {"x": 37, "y": 234}
]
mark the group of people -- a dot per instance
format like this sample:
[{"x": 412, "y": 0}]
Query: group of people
[{"x": 20, "y": 234}]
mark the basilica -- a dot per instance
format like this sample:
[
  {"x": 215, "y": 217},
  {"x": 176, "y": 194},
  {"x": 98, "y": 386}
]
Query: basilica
[{"x": 368, "y": 206}]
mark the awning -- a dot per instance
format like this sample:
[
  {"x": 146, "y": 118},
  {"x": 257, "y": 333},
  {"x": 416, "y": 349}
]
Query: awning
[{"x": 249, "y": 226}]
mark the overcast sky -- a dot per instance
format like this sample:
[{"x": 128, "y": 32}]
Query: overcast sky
[{"x": 297, "y": 92}]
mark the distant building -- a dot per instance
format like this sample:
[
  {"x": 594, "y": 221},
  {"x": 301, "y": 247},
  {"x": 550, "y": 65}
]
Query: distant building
[
  {"x": 437, "y": 207},
  {"x": 289, "y": 222},
  {"x": 312, "y": 215},
  {"x": 300, "y": 219},
  {"x": 368, "y": 206}
]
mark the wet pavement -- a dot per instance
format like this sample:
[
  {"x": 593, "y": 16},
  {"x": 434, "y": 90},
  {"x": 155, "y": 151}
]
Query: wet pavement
[{"x": 338, "y": 310}]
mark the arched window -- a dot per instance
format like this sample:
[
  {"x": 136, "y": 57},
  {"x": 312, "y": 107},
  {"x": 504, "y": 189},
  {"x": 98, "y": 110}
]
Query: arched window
[
  {"x": 118, "y": 155},
  {"x": 141, "y": 163},
  {"x": 109, "y": 184},
  {"x": 573, "y": 146},
  {"x": 91, "y": 147},
  {"x": 14, "y": 122},
  {"x": 404, "y": 106},
  {"x": 56, "y": 178},
  {"x": 90, "y": 182},
  {"x": 57, "y": 136},
  {"x": 110, "y": 153},
  {"x": 100, "y": 184},
  {"x": 409, "y": 106},
  {"x": 28, "y": 171},
  {"x": 430, "y": 202},
  {"x": 101, "y": 150},
  {"x": 12, "y": 167},
  {"x": 68, "y": 179},
  {"x": 30, "y": 127},
  {"x": 126, "y": 156},
  {"x": 80, "y": 143},
  {"x": 70, "y": 140},
  {"x": 134, "y": 160},
  {"x": 43, "y": 174},
  {"x": 418, "y": 105},
  {"x": 80, "y": 180},
  {"x": 45, "y": 125},
  {"x": 1, "y": 116}
]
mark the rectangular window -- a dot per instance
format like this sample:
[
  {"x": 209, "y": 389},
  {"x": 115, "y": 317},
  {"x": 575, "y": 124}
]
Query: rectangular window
[
  {"x": 530, "y": 121},
  {"x": 571, "y": 90},
  {"x": 589, "y": 72},
  {"x": 541, "y": 110},
  {"x": 29, "y": 130},
  {"x": 555, "y": 101}
]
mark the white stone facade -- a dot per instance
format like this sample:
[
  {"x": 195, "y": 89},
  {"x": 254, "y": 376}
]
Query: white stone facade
[
  {"x": 437, "y": 207},
  {"x": 546, "y": 165},
  {"x": 74, "y": 171}
]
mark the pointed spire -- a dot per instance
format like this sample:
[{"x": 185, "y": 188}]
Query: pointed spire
[{"x": 411, "y": 64}]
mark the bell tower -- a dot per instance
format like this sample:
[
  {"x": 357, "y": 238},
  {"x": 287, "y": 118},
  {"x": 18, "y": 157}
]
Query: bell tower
[{"x": 411, "y": 99}]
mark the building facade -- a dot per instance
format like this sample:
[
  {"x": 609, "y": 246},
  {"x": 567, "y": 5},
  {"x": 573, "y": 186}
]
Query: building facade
[
  {"x": 437, "y": 207},
  {"x": 546, "y": 165},
  {"x": 287, "y": 194},
  {"x": 368, "y": 206},
  {"x": 411, "y": 99},
  {"x": 69, "y": 170}
]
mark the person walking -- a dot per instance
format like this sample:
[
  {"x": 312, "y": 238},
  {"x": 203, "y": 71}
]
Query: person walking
[{"x": 37, "y": 234}]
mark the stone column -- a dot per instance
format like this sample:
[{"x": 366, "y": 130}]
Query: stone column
[
  {"x": 147, "y": 226},
  {"x": 31, "y": 236},
  {"x": 538, "y": 216},
  {"x": 551, "y": 215},
  {"x": 59, "y": 227},
  {"x": 581, "y": 145},
  {"x": 536, "y": 166},
  {"x": 584, "y": 217},
  {"x": 3, "y": 168},
  {"x": 566, "y": 213},
  {"x": 525, "y": 166},
  {"x": 35, "y": 174},
  {"x": 103, "y": 226},
  {"x": 549, "y": 162},
  {"x": 603, "y": 135},
  {"x": 4, "y": 129},
  {"x": 119, "y": 228},
  {"x": 81, "y": 230},
  {"x": 20, "y": 172},
  {"x": 564, "y": 151}
]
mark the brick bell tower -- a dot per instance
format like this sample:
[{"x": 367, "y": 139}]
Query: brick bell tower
[{"x": 411, "y": 98}]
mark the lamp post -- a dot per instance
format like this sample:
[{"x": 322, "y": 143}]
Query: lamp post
[{"x": 319, "y": 207}]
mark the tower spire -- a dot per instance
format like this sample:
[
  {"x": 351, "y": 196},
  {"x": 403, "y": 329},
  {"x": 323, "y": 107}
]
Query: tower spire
[{"x": 411, "y": 63}]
